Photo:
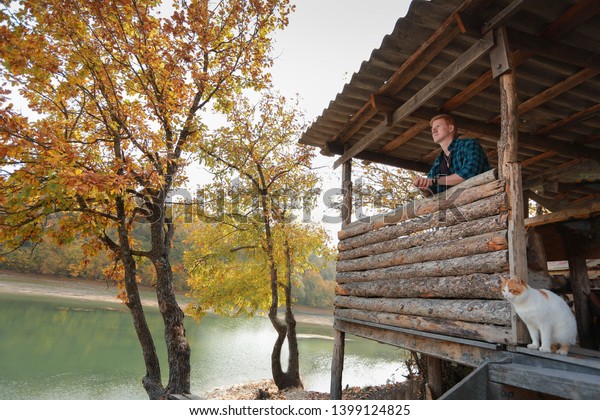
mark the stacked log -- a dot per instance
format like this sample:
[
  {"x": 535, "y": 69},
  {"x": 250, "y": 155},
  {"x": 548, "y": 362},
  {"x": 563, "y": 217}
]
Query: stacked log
[{"x": 433, "y": 265}]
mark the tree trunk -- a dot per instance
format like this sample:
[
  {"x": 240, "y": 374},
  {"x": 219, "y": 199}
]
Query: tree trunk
[
  {"x": 293, "y": 373},
  {"x": 291, "y": 378},
  {"x": 152, "y": 380},
  {"x": 178, "y": 348}
]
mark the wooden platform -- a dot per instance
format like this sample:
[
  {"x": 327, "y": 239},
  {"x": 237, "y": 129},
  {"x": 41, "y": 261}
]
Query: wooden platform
[{"x": 527, "y": 374}]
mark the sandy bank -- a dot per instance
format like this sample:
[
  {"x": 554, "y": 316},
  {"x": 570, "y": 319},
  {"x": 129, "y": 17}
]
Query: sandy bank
[{"x": 95, "y": 290}]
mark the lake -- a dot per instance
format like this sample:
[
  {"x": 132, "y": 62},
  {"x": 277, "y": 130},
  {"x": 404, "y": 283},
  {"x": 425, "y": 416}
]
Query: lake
[{"x": 55, "y": 348}]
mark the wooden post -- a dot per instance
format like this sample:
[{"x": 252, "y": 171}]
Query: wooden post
[
  {"x": 509, "y": 166},
  {"x": 337, "y": 364},
  {"x": 347, "y": 193},
  {"x": 434, "y": 376},
  {"x": 580, "y": 284}
]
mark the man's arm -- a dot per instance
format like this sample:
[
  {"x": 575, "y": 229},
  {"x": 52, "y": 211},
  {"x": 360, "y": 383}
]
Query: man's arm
[{"x": 450, "y": 180}]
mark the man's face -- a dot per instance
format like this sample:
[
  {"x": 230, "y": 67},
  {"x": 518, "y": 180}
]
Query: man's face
[{"x": 441, "y": 130}]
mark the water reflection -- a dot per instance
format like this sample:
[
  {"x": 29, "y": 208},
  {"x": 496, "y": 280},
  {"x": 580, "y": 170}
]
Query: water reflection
[{"x": 68, "y": 349}]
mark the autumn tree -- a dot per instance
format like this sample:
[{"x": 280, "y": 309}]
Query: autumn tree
[
  {"x": 117, "y": 95},
  {"x": 379, "y": 188},
  {"x": 258, "y": 245}
]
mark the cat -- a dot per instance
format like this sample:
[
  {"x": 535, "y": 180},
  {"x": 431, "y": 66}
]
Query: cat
[{"x": 546, "y": 315}]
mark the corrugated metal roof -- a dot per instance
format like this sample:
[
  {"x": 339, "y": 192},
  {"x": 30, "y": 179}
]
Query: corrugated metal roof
[{"x": 554, "y": 45}]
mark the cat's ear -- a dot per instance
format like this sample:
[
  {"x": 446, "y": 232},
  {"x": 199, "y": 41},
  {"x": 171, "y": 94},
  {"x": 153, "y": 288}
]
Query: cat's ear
[{"x": 519, "y": 280}]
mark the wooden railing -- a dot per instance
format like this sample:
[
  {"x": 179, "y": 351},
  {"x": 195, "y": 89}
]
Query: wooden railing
[{"x": 432, "y": 265}]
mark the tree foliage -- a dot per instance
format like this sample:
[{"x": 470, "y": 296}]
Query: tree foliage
[
  {"x": 259, "y": 248},
  {"x": 380, "y": 188},
  {"x": 118, "y": 94}
]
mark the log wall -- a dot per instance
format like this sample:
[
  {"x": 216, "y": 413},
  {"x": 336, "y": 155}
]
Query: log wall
[{"x": 432, "y": 265}]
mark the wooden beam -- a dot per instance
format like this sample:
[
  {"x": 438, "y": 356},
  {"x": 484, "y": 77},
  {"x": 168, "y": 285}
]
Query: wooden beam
[
  {"x": 528, "y": 162},
  {"x": 455, "y": 225},
  {"x": 544, "y": 47},
  {"x": 542, "y": 143},
  {"x": 553, "y": 91},
  {"x": 590, "y": 139},
  {"x": 551, "y": 205},
  {"x": 491, "y": 262},
  {"x": 405, "y": 137},
  {"x": 577, "y": 14},
  {"x": 568, "y": 120},
  {"x": 463, "y": 62},
  {"x": 384, "y": 104},
  {"x": 500, "y": 56},
  {"x": 456, "y": 350},
  {"x": 422, "y": 56},
  {"x": 480, "y": 244},
  {"x": 564, "y": 215},
  {"x": 407, "y": 71},
  {"x": 455, "y": 196},
  {"x": 501, "y": 18},
  {"x": 539, "y": 178},
  {"x": 473, "y": 286},
  {"x": 536, "y": 142},
  {"x": 449, "y": 327},
  {"x": 360, "y": 118},
  {"x": 411, "y": 165}
]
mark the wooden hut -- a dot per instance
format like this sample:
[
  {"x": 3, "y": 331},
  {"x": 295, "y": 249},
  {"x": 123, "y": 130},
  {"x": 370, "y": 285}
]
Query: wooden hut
[{"x": 523, "y": 78}]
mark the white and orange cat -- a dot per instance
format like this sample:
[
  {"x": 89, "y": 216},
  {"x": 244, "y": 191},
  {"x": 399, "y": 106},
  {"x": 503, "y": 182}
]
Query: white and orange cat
[{"x": 546, "y": 315}]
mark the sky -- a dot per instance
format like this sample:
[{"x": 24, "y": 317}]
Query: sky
[{"x": 325, "y": 42}]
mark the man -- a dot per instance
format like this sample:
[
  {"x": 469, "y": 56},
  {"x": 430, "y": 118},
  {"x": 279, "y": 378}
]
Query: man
[{"x": 458, "y": 160}]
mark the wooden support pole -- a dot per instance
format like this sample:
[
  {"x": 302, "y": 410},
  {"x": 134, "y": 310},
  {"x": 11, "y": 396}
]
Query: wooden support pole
[
  {"x": 434, "y": 376},
  {"x": 337, "y": 365},
  {"x": 509, "y": 167},
  {"x": 347, "y": 193},
  {"x": 580, "y": 284}
]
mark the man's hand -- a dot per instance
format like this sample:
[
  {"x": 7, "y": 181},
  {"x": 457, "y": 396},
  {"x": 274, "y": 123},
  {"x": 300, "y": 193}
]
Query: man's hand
[{"x": 424, "y": 184}]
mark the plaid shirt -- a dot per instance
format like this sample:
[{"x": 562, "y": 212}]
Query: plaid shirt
[{"x": 467, "y": 159}]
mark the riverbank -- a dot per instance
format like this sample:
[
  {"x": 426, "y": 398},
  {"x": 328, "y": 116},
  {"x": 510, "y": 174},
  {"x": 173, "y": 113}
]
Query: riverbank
[
  {"x": 266, "y": 390},
  {"x": 90, "y": 290},
  {"x": 12, "y": 282}
]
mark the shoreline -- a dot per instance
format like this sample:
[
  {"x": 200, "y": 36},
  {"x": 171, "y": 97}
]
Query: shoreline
[
  {"x": 25, "y": 284},
  {"x": 16, "y": 283}
]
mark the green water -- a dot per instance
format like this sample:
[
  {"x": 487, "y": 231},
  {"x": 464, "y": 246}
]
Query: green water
[{"x": 56, "y": 348}]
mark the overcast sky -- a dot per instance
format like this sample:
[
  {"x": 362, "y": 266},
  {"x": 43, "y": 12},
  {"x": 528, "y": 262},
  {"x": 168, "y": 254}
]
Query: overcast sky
[{"x": 325, "y": 42}]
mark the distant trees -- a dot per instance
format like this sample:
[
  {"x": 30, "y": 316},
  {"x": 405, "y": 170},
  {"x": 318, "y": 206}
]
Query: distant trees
[
  {"x": 257, "y": 250},
  {"x": 313, "y": 287},
  {"x": 119, "y": 94}
]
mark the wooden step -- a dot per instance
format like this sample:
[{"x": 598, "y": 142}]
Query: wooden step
[{"x": 560, "y": 383}]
